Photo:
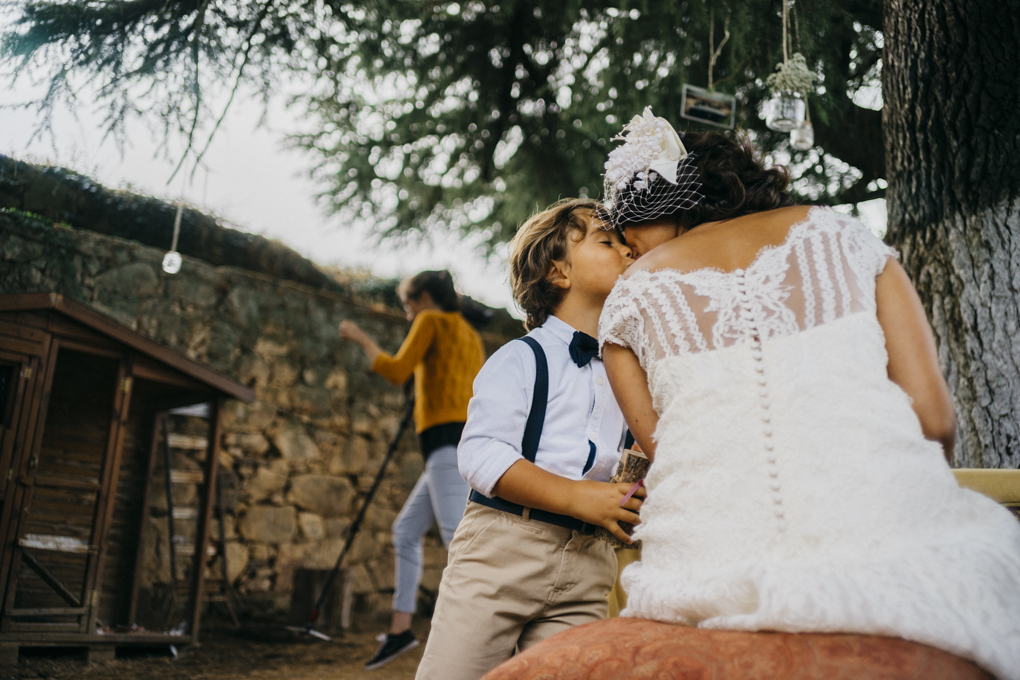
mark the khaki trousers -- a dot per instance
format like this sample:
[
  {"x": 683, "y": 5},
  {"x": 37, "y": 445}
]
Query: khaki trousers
[{"x": 510, "y": 583}]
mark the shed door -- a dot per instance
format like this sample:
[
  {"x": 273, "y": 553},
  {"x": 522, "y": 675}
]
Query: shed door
[
  {"x": 68, "y": 478},
  {"x": 15, "y": 372},
  {"x": 21, "y": 386}
]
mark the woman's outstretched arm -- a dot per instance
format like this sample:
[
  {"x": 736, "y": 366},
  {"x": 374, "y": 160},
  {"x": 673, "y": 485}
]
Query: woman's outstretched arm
[
  {"x": 913, "y": 358},
  {"x": 630, "y": 386}
]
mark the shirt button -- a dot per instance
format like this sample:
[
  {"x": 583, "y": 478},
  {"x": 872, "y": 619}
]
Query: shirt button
[
  {"x": 591, "y": 435},
  {"x": 599, "y": 381}
]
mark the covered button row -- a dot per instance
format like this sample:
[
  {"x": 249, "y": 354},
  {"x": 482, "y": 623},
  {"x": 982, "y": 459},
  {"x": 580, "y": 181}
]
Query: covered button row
[{"x": 763, "y": 391}]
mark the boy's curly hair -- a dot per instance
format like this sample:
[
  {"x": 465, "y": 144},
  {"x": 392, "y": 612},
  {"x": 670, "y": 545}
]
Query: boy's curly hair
[{"x": 540, "y": 241}]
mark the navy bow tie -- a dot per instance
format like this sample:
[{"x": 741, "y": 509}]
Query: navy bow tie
[{"x": 583, "y": 348}]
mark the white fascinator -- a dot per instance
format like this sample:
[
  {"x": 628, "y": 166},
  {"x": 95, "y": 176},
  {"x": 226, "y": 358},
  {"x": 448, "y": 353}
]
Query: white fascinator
[{"x": 650, "y": 174}]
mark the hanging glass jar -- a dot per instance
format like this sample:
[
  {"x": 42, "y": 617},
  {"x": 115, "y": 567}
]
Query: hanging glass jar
[
  {"x": 785, "y": 111},
  {"x": 802, "y": 137}
]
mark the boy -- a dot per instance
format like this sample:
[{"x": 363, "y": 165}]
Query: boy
[{"x": 523, "y": 564}]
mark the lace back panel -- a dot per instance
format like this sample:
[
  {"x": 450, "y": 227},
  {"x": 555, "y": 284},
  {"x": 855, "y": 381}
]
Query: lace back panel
[{"x": 823, "y": 271}]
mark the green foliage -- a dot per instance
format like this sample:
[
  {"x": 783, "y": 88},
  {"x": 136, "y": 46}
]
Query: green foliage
[{"x": 446, "y": 115}]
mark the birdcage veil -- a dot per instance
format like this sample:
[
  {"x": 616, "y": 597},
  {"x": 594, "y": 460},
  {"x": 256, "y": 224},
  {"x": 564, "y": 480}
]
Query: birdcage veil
[{"x": 649, "y": 175}]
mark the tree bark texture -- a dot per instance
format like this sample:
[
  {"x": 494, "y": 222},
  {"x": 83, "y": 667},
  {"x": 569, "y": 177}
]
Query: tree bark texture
[{"x": 951, "y": 85}]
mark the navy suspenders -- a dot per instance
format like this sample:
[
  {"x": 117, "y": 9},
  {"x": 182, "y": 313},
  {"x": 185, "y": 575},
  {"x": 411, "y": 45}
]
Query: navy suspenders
[
  {"x": 539, "y": 400},
  {"x": 529, "y": 447}
]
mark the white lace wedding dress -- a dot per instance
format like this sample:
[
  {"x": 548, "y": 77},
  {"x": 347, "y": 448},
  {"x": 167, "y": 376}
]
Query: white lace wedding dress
[{"x": 792, "y": 488}]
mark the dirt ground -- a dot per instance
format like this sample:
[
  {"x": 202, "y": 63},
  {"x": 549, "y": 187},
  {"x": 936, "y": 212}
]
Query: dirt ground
[{"x": 252, "y": 653}]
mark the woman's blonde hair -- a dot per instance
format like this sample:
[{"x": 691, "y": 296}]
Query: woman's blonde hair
[{"x": 538, "y": 243}]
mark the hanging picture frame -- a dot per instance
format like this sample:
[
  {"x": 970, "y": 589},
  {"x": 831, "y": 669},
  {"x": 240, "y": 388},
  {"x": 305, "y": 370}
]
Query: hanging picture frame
[{"x": 711, "y": 108}]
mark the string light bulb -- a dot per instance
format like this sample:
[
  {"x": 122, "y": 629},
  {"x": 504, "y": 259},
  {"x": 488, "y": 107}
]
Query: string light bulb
[{"x": 172, "y": 261}]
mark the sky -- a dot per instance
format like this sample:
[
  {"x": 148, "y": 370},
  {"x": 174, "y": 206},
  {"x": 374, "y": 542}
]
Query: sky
[{"x": 255, "y": 182}]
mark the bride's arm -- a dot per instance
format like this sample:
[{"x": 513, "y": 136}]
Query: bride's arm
[
  {"x": 913, "y": 358},
  {"x": 630, "y": 386}
]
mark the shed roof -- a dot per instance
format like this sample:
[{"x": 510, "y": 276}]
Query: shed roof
[{"x": 82, "y": 313}]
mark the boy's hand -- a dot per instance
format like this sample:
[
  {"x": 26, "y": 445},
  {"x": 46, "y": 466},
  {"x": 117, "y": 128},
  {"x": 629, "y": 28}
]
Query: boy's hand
[{"x": 598, "y": 503}]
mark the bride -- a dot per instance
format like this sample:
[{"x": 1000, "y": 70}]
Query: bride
[{"x": 776, "y": 364}]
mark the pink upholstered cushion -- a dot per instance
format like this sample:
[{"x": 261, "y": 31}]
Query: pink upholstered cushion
[{"x": 635, "y": 649}]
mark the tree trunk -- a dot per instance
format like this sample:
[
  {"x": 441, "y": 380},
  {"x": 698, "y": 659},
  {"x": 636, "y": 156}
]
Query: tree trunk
[{"x": 950, "y": 78}]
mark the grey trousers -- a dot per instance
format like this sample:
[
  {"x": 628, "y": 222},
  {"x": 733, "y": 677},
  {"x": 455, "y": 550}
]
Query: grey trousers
[{"x": 440, "y": 494}]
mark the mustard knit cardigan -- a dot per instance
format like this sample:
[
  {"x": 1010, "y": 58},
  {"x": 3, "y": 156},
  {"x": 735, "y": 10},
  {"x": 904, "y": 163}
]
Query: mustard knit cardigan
[{"x": 445, "y": 353}]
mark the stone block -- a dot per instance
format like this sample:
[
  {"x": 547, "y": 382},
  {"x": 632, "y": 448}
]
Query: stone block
[
  {"x": 237, "y": 560},
  {"x": 335, "y": 422},
  {"x": 363, "y": 425},
  {"x": 379, "y": 517},
  {"x": 329, "y": 443},
  {"x": 410, "y": 465},
  {"x": 313, "y": 400},
  {"x": 263, "y": 484},
  {"x": 191, "y": 290},
  {"x": 135, "y": 280},
  {"x": 269, "y": 524},
  {"x": 254, "y": 371},
  {"x": 261, "y": 554},
  {"x": 312, "y": 528},
  {"x": 322, "y": 494},
  {"x": 435, "y": 556},
  {"x": 351, "y": 460},
  {"x": 284, "y": 373},
  {"x": 431, "y": 577},
  {"x": 361, "y": 582},
  {"x": 382, "y": 571},
  {"x": 254, "y": 417},
  {"x": 294, "y": 444},
  {"x": 252, "y": 443},
  {"x": 337, "y": 381},
  {"x": 242, "y": 305},
  {"x": 228, "y": 525},
  {"x": 270, "y": 349},
  {"x": 363, "y": 549},
  {"x": 336, "y": 527},
  {"x": 322, "y": 555}
]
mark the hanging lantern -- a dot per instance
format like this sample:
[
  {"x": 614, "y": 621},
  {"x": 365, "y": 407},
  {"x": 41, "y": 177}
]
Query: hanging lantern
[
  {"x": 172, "y": 260},
  {"x": 785, "y": 111},
  {"x": 802, "y": 137}
]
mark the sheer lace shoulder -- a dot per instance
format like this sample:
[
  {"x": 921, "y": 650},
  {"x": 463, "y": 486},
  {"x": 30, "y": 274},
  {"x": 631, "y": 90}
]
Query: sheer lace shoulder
[{"x": 824, "y": 270}]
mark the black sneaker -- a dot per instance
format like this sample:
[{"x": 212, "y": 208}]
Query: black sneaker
[{"x": 392, "y": 647}]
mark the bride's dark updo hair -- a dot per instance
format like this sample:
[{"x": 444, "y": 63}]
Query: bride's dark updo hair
[{"x": 734, "y": 180}]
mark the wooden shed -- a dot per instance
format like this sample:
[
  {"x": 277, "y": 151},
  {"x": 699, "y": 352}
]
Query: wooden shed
[{"x": 83, "y": 411}]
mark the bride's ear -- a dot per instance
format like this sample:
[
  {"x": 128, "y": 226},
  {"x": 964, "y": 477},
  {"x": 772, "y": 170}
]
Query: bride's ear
[{"x": 559, "y": 274}]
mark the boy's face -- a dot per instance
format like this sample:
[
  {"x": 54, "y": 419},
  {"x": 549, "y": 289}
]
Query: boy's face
[{"x": 597, "y": 260}]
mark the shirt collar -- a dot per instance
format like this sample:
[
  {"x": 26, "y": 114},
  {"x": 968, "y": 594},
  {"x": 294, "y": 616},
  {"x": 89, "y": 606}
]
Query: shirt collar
[{"x": 561, "y": 329}]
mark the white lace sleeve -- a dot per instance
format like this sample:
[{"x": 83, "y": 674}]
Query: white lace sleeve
[
  {"x": 621, "y": 322},
  {"x": 866, "y": 251}
]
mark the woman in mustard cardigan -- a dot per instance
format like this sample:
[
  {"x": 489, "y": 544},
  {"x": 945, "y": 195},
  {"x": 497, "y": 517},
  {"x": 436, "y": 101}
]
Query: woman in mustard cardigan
[{"x": 445, "y": 353}]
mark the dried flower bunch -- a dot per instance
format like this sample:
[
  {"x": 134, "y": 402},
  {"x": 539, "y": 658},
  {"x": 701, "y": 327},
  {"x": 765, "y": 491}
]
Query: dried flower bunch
[{"x": 792, "y": 76}]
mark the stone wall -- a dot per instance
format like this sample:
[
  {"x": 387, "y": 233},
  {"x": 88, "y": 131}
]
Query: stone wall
[{"x": 308, "y": 448}]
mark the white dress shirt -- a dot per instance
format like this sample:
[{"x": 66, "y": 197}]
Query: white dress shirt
[{"x": 581, "y": 409}]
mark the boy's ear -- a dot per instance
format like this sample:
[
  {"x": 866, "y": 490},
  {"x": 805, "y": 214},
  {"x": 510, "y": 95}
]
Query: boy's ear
[{"x": 559, "y": 274}]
